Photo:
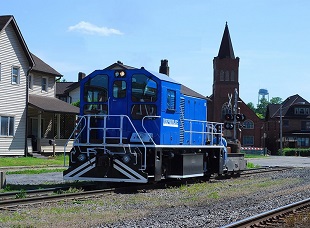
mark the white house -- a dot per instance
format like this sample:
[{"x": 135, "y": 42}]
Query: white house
[{"x": 28, "y": 107}]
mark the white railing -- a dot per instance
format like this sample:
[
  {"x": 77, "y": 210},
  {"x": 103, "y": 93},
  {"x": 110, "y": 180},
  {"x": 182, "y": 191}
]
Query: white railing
[
  {"x": 208, "y": 130},
  {"x": 86, "y": 121}
]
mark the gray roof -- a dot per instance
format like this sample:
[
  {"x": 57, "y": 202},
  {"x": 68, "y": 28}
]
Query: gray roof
[
  {"x": 41, "y": 66},
  {"x": 51, "y": 104},
  {"x": 273, "y": 110},
  {"x": 62, "y": 87}
]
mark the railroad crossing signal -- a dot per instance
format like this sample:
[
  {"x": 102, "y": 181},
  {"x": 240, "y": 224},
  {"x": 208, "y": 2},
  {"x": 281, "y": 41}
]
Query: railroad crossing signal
[
  {"x": 232, "y": 120},
  {"x": 240, "y": 117}
]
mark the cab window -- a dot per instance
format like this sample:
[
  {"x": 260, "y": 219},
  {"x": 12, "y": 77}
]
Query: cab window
[
  {"x": 119, "y": 89},
  {"x": 170, "y": 100},
  {"x": 96, "y": 89},
  {"x": 143, "y": 89}
]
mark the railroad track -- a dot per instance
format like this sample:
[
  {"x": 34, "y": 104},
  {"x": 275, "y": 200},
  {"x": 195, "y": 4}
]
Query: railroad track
[
  {"x": 266, "y": 169},
  {"x": 10, "y": 200},
  {"x": 292, "y": 215}
]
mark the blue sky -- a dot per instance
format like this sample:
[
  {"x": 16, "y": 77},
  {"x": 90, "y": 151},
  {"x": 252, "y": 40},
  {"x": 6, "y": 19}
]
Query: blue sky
[{"x": 271, "y": 38}]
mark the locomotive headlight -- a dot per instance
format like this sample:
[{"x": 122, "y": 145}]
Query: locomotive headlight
[
  {"x": 81, "y": 157},
  {"x": 122, "y": 73},
  {"x": 126, "y": 158},
  {"x": 116, "y": 74}
]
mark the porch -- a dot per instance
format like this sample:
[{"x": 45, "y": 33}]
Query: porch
[{"x": 49, "y": 119}]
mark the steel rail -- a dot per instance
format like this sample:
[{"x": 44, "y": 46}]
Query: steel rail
[
  {"x": 5, "y": 204},
  {"x": 253, "y": 221}
]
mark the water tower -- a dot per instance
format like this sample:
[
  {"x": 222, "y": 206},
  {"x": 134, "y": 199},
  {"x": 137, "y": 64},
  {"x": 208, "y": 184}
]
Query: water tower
[{"x": 263, "y": 93}]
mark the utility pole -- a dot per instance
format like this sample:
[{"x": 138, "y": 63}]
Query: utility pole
[
  {"x": 235, "y": 109},
  {"x": 281, "y": 143}
]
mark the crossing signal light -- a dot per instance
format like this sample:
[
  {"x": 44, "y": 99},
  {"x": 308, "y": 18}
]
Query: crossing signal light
[
  {"x": 229, "y": 117},
  {"x": 240, "y": 117},
  {"x": 228, "y": 126}
]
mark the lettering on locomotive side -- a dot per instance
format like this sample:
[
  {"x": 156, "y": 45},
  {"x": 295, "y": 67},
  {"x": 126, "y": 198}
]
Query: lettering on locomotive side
[{"x": 170, "y": 122}]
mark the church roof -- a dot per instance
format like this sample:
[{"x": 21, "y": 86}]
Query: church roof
[{"x": 226, "y": 48}]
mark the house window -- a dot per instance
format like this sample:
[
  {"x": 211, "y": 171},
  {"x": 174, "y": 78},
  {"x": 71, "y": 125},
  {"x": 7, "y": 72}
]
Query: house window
[
  {"x": 248, "y": 140},
  {"x": 6, "y": 125},
  {"x": 44, "y": 84},
  {"x": 305, "y": 125},
  {"x": 303, "y": 142},
  {"x": 301, "y": 111},
  {"x": 15, "y": 75},
  {"x": 170, "y": 99},
  {"x": 286, "y": 123},
  {"x": 248, "y": 124},
  {"x": 30, "y": 81}
]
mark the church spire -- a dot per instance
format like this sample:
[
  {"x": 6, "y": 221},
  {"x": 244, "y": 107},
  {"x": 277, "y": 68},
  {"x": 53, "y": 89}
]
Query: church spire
[{"x": 226, "y": 49}]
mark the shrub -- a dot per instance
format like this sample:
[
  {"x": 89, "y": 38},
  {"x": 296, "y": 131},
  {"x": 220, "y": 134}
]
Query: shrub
[{"x": 304, "y": 152}]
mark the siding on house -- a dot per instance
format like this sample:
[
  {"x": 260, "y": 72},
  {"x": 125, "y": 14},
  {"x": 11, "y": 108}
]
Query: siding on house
[
  {"x": 75, "y": 95},
  {"x": 37, "y": 84},
  {"x": 13, "y": 96}
]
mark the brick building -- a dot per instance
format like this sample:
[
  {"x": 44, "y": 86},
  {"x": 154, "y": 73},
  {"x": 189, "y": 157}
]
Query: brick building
[
  {"x": 226, "y": 92},
  {"x": 289, "y": 123}
]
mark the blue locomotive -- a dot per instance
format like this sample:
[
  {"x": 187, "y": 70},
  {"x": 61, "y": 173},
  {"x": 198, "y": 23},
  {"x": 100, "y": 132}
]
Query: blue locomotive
[{"x": 140, "y": 126}]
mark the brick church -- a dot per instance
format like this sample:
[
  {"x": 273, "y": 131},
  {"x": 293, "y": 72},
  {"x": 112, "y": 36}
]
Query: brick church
[{"x": 226, "y": 98}]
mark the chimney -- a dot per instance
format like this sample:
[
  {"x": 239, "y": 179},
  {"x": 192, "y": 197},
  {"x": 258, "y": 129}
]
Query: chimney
[
  {"x": 164, "y": 68},
  {"x": 81, "y": 76}
]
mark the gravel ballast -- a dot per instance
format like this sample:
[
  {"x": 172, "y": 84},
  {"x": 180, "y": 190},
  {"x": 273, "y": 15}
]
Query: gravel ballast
[{"x": 212, "y": 204}]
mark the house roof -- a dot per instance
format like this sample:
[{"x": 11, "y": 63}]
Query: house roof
[
  {"x": 273, "y": 110},
  {"x": 41, "y": 66},
  {"x": 226, "y": 48},
  {"x": 9, "y": 19},
  {"x": 119, "y": 66},
  {"x": 51, "y": 104},
  {"x": 62, "y": 87}
]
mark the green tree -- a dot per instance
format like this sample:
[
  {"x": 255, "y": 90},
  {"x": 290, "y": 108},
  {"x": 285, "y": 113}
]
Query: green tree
[
  {"x": 276, "y": 100},
  {"x": 251, "y": 106},
  {"x": 77, "y": 103},
  {"x": 61, "y": 80},
  {"x": 261, "y": 108}
]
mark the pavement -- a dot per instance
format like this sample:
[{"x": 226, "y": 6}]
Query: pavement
[{"x": 292, "y": 161}]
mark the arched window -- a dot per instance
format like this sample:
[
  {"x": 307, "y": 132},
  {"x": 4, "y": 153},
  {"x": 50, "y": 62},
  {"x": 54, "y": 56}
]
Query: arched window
[
  {"x": 232, "y": 76},
  {"x": 221, "y": 75},
  {"x": 227, "y": 75},
  {"x": 248, "y": 124}
]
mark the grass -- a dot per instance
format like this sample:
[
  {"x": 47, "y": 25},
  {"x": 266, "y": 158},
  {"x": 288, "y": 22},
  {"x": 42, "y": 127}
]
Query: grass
[
  {"x": 31, "y": 161},
  {"x": 254, "y": 156},
  {"x": 251, "y": 165},
  {"x": 35, "y": 171}
]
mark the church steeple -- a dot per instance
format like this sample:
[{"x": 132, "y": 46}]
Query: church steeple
[
  {"x": 225, "y": 77},
  {"x": 226, "y": 49}
]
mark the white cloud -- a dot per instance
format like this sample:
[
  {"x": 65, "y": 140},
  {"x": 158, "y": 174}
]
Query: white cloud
[{"x": 88, "y": 28}]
